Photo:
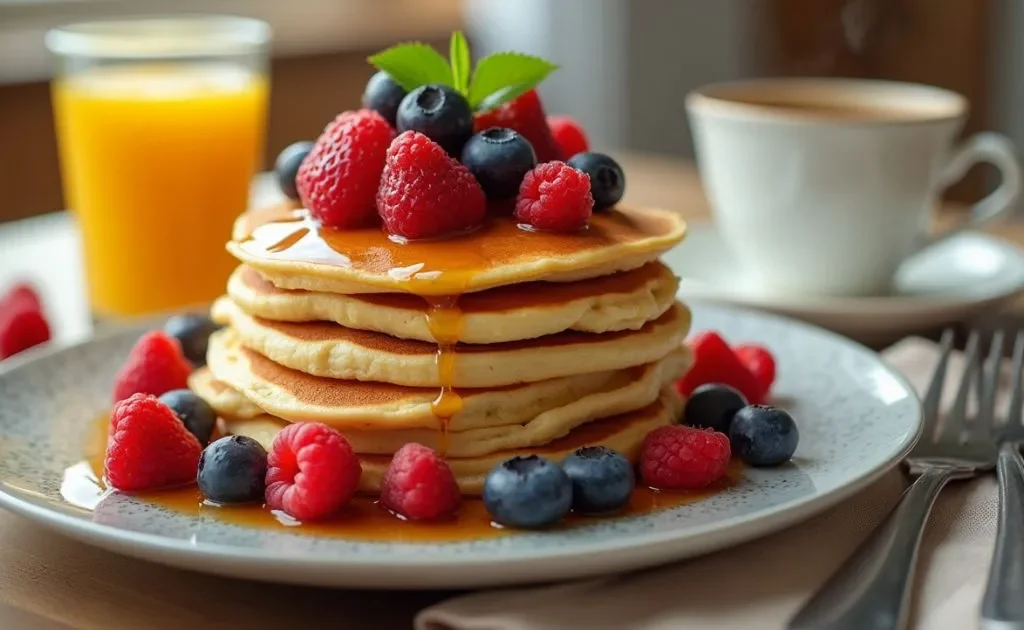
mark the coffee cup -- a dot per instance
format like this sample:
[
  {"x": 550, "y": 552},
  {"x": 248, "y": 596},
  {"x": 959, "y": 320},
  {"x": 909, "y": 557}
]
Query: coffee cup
[{"x": 825, "y": 186}]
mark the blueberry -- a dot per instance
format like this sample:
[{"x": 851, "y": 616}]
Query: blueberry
[
  {"x": 233, "y": 470},
  {"x": 607, "y": 181},
  {"x": 287, "y": 166},
  {"x": 383, "y": 96},
  {"x": 712, "y": 406},
  {"x": 195, "y": 413},
  {"x": 528, "y": 492},
  {"x": 440, "y": 113},
  {"x": 499, "y": 158},
  {"x": 193, "y": 333},
  {"x": 763, "y": 436},
  {"x": 602, "y": 479}
]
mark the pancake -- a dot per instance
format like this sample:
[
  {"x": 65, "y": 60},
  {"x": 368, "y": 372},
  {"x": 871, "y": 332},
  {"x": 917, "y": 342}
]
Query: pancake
[
  {"x": 292, "y": 251},
  {"x": 622, "y": 301},
  {"x": 624, "y": 433},
  {"x": 333, "y": 351},
  {"x": 491, "y": 420}
]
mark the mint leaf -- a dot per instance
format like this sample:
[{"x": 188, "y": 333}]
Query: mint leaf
[
  {"x": 413, "y": 64},
  {"x": 460, "y": 62},
  {"x": 501, "y": 77}
]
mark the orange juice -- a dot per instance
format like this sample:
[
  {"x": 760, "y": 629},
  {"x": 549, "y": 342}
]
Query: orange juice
[{"x": 157, "y": 162}]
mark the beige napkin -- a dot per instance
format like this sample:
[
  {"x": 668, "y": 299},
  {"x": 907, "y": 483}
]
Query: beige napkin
[{"x": 762, "y": 584}]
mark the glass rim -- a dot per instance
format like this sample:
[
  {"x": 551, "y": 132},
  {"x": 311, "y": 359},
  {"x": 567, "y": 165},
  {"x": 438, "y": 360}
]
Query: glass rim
[{"x": 159, "y": 37}]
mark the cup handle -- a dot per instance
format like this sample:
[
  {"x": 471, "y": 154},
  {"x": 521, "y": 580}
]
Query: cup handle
[{"x": 995, "y": 149}]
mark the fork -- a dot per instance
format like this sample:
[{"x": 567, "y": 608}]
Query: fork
[
  {"x": 1002, "y": 607},
  {"x": 871, "y": 590}
]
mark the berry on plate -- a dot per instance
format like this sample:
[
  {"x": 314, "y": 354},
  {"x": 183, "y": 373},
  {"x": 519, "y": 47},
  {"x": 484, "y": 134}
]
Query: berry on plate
[
  {"x": 712, "y": 406},
  {"x": 683, "y": 458},
  {"x": 607, "y": 181},
  {"x": 195, "y": 413},
  {"x": 715, "y": 362},
  {"x": 338, "y": 180},
  {"x": 528, "y": 492},
  {"x": 22, "y": 322},
  {"x": 569, "y": 136},
  {"x": 761, "y": 363},
  {"x": 148, "y": 447},
  {"x": 286, "y": 167},
  {"x": 526, "y": 116},
  {"x": 155, "y": 365},
  {"x": 763, "y": 435},
  {"x": 419, "y": 485},
  {"x": 602, "y": 479},
  {"x": 424, "y": 193},
  {"x": 21, "y": 296},
  {"x": 233, "y": 469},
  {"x": 440, "y": 113},
  {"x": 383, "y": 96},
  {"x": 499, "y": 158},
  {"x": 192, "y": 331},
  {"x": 311, "y": 471},
  {"x": 555, "y": 197}
]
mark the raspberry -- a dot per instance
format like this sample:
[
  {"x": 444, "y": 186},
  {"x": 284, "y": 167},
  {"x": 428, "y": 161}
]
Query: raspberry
[
  {"x": 425, "y": 193},
  {"x": 556, "y": 197},
  {"x": 22, "y": 326},
  {"x": 148, "y": 447},
  {"x": 761, "y": 363},
  {"x": 715, "y": 362},
  {"x": 419, "y": 485},
  {"x": 338, "y": 180},
  {"x": 21, "y": 295},
  {"x": 524, "y": 115},
  {"x": 683, "y": 458},
  {"x": 154, "y": 366},
  {"x": 568, "y": 135},
  {"x": 311, "y": 471}
]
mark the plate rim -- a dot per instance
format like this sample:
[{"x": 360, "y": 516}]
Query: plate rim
[{"x": 188, "y": 554}]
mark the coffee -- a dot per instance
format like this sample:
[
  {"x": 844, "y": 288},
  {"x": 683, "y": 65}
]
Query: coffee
[{"x": 835, "y": 110}]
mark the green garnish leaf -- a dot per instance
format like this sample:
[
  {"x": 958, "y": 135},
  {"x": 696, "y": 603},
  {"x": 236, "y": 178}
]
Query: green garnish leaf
[
  {"x": 414, "y": 64},
  {"x": 460, "y": 62},
  {"x": 501, "y": 77}
]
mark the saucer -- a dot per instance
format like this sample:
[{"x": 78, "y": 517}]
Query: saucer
[{"x": 953, "y": 281}]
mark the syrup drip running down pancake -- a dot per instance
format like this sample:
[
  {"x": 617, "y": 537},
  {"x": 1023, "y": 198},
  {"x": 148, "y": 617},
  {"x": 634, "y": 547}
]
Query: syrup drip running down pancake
[
  {"x": 620, "y": 301},
  {"x": 329, "y": 350},
  {"x": 292, "y": 251},
  {"x": 261, "y": 386}
]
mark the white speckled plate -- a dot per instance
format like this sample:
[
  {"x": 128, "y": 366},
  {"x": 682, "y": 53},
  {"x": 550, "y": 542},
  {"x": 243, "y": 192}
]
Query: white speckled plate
[{"x": 857, "y": 419}]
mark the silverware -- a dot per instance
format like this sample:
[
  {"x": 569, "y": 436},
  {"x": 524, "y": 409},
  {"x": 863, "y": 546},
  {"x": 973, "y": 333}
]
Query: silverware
[
  {"x": 1002, "y": 606},
  {"x": 871, "y": 590}
]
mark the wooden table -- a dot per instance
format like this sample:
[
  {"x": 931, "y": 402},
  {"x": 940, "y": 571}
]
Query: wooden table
[{"x": 48, "y": 581}]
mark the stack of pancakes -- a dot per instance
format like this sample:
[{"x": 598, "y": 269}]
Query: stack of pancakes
[{"x": 482, "y": 346}]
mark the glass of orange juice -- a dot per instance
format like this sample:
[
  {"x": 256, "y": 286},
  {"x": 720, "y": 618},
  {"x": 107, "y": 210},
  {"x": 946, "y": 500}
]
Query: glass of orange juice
[{"x": 160, "y": 126}]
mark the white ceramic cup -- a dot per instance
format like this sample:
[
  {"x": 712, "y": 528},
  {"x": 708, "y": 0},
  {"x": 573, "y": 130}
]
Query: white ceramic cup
[{"x": 824, "y": 186}]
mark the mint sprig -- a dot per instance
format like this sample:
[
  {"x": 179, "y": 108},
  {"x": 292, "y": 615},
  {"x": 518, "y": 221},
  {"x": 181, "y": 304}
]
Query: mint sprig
[
  {"x": 414, "y": 64},
  {"x": 497, "y": 79}
]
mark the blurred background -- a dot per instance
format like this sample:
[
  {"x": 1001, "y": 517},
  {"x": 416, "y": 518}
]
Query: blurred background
[{"x": 626, "y": 64}]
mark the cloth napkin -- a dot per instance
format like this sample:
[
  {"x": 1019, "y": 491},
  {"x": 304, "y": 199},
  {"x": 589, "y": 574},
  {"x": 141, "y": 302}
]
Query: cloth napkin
[{"x": 762, "y": 584}]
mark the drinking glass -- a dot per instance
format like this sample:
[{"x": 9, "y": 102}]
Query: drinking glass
[{"x": 160, "y": 126}]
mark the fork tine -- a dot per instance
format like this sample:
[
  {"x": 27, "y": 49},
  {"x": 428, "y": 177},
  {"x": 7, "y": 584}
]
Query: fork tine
[
  {"x": 981, "y": 427},
  {"x": 1013, "y": 415},
  {"x": 955, "y": 425},
  {"x": 933, "y": 396}
]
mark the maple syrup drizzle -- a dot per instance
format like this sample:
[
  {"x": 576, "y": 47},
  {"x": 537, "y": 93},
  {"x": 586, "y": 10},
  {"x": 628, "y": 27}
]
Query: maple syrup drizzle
[
  {"x": 444, "y": 320},
  {"x": 362, "y": 519}
]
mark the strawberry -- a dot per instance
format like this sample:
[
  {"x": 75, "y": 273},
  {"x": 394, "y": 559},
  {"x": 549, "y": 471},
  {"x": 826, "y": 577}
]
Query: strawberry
[
  {"x": 715, "y": 362},
  {"x": 524, "y": 115}
]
